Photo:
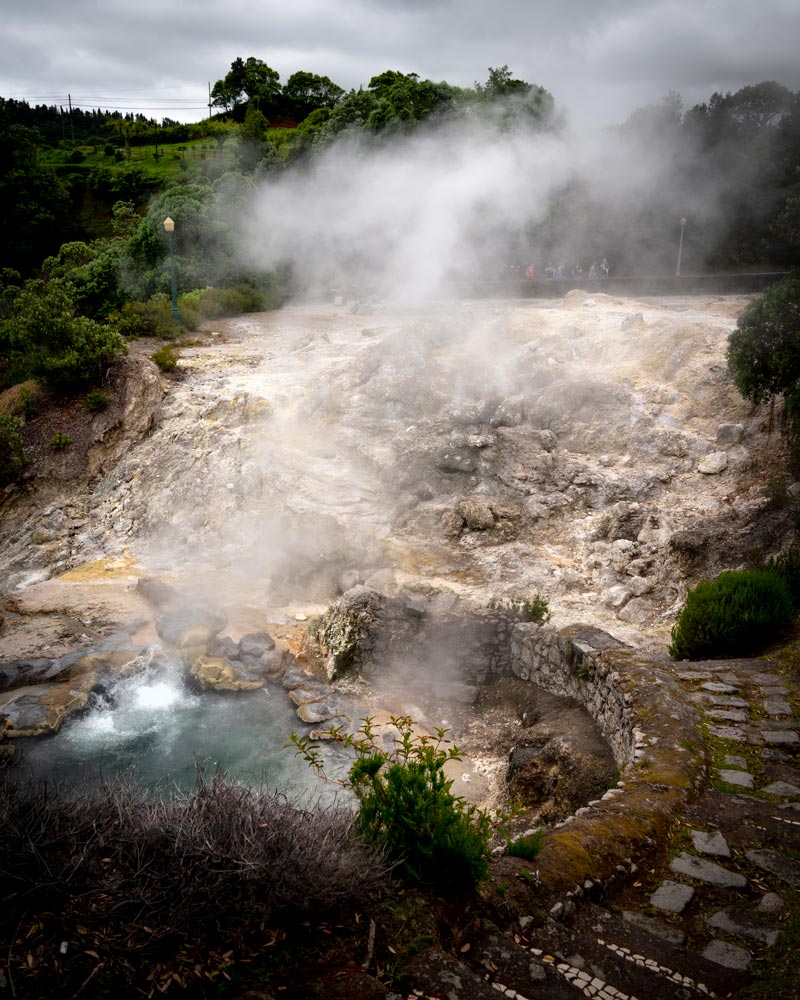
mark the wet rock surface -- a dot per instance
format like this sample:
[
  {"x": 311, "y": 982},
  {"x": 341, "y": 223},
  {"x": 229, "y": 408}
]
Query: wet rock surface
[{"x": 299, "y": 456}]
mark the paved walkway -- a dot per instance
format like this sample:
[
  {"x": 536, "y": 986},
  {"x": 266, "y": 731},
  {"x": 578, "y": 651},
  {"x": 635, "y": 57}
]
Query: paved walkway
[{"x": 696, "y": 917}]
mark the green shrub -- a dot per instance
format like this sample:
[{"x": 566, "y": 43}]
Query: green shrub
[
  {"x": 787, "y": 565},
  {"x": 12, "y": 457},
  {"x": 212, "y": 303},
  {"x": 152, "y": 318},
  {"x": 534, "y": 609},
  {"x": 61, "y": 348},
  {"x": 736, "y": 614},
  {"x": 407, "y": 808},
  {"x": 29, "y": 401},
  {"x": 96, "y": 400},
  {"x": 527, "y": 847},
  {"x": 166, "y": 358},
  {"x": 59, "y": 441}
]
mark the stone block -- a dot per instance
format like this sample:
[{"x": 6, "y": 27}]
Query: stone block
[
  {"x": 673, "y": 897},
  {"x": 707, "y": 871},
  {"x": 710, "y": 843},
  {"x": 739, "y": 778},
  {"x": 729, "y": 955}
]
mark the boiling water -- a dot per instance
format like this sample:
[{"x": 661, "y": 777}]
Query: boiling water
[{"x": 153, "y": 727}]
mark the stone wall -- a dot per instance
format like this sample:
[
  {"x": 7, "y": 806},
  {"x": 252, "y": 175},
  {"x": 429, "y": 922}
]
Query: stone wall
[
  {"x": 370, "y": 634},
  {"x": 569, "y": 663}
]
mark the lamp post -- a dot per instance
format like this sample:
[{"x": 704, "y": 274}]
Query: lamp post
[
  {"x": 169, "y": 226},
  {"x": 680, "y": 248}
]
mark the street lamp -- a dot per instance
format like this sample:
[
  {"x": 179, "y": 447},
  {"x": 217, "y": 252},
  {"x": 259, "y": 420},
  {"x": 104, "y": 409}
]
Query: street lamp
[
  {"x": 680, "y": 248},
  {"x": 169, "y": 226}
]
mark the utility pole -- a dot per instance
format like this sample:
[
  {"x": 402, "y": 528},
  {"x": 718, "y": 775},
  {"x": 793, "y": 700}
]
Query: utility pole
[
  {"x": 71, "y": 126},
  {"x": 209, "y": 99}
]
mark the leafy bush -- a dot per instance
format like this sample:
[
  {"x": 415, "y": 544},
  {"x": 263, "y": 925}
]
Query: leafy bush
[
  {"x": 152, "y": 318},
  {"x": 166, "y": 358},
  {"x": 534, "y": 609},
  {"x": 406, "y": 806},
  {"x": 175, "y": 879},
  {"x": 736, "y": 614},
  {"x": 787, "y": 565},
  {"x": 59, "y": 441},
  {"x": 12, "y": 457},
  {"x": 526, "y": 847},
  {"x": 212, "y": 303},
  {"x": 96, "y": 400},
  {"x": 60, "y": 348},
  {"x": 764, "y": 350}
]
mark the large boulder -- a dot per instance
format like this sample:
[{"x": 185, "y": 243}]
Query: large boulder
[{"x": 337, "y": 639}]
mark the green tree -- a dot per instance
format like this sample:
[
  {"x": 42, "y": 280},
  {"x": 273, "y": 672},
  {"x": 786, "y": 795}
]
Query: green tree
[
  {"x": 247, "y": 82},
  {"x": 35, "y": 209},
  {"x": 306, "y": 92},
  {"x": 58, "y": 346},
  {"x": 763, "y": 351},
  {"x": 515, "y": 102}
]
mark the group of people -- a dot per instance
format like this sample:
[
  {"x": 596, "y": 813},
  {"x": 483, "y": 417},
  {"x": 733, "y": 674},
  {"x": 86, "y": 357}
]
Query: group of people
[{"x": 597, "y": 272}]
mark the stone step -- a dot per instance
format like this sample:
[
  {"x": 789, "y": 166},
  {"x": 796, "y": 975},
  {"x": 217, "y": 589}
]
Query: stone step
[{"x": 638, "y": 957}]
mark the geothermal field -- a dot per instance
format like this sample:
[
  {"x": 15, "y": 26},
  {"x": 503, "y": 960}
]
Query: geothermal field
[{"x": 591, "y": 450}]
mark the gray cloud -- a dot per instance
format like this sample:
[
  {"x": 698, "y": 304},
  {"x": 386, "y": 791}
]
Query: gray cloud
[{"x": 599, "y": 60}]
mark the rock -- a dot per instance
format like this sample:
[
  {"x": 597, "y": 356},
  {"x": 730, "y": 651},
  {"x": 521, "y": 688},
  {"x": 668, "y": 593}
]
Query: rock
[
  {"x": 256, "y": 644},
  {"x": 710, "y": 843},
  {"x": 382, "y": 580},
  {"x": 616, "y": 596},
  {"x": 334, "y": 639},
  {"x": 656, "y": 928},
  {"x": 772, "y": 736},
  {"x": 510, "y": 413},
  {"x": 740, "y": 778},
  {"x": 729, "y": 434},
  {"x": 436, "y": 973},
  {"x": 476, "y": 512},
  {"x": 452, "y": 524},
  {"x": 189, "y": 627},
  {"x": 707, "y": 871},
  {"x": 217, "y": 674},
  {"x": 316, "y": 712},
  {"x": 783, "y": 789},
  {"x": 673, "y": 897},
  {"x": 309, "y": 692},
  {"x": 771, "y": 903},
  {"x": 777, "y": 864},
  {"x": 729, "y": 955},
  {"x": 713, "y": 464},
  {"x": 732, "y": 921},
  {"x": 457, "y": 460},
  {"x": 158, "y": 593}
]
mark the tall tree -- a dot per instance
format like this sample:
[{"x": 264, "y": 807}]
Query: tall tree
[
  {"x": 247, "y": 82},
  {"x": 305, "y": 92},
  {"x": 35, "y": 210}
]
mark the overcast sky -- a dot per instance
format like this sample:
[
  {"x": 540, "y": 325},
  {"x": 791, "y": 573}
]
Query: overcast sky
[{"x": 600, "y": 59}]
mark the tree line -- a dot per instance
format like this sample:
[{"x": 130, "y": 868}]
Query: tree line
[{"x": 82, "y": 248}]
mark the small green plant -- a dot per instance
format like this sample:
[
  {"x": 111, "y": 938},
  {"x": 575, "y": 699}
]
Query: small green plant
[
  {"x": 166, "y": 358},
  {"x": 59, "y": 441},
  {"x": 526, "y": 847},
  {"x": 28, "y": 402},
  {"x": 12, "y": 456},
  {"x": 534, "y": 609},
  {"x": 406, "y": 805},
  {"x": 96, "y": 400},
  {"x": 736, "y": 614}
]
